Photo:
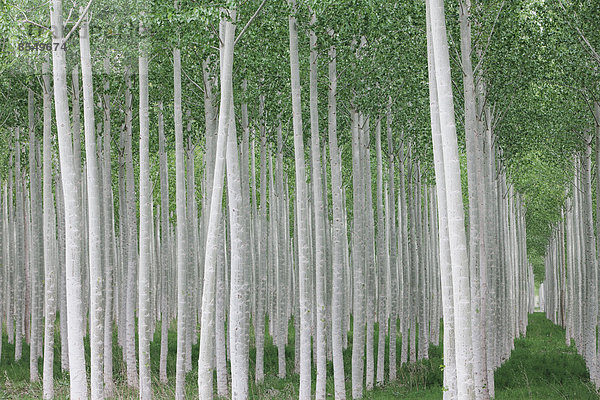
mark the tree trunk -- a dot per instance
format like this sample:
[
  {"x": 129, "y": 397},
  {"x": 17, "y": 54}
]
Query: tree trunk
[
  {"x": 240, "y": 288},
  {"x": 317, "y": 191},
  {"x": 302, "y": 215},
  {"x": 205, "y": 368},
  {"x": 337, "y": 311},
  {"x": 450, "y": 368},
  {"x": 144, "y": 316},
  {"x": 94, "y": 220},
  {"x": 36, "y": 244},
  {"x": 109, "y": 254},
  {"x": 382, "y": 264},
  {"x": 165, "y": 247},
  {"x": 358, "y": 261},
  {"x": 71, "y": 192},
  {"x": 132, "y": 248},
  {"x": 181, "y": 231},
  {"x": 475, "y": 202},
  {"x": 50, "y": 249},
  {"x": 395, "y": 294}
]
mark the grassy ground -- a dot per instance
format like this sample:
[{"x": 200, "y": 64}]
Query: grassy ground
[{"x": 540, "y": 367}]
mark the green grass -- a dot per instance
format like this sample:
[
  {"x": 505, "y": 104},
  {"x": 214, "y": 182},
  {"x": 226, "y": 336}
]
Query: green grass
[{"x": 541, "y": 367}]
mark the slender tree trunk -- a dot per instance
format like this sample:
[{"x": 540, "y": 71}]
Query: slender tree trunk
[
  {"x": 370, "y": 272},
  {"x": 181, "y": 232},
  {"x": 393, "y": 251},
  {"x": 109, "y": 254},
  {"x": 62, "y": 288},
  {"x": 205, "y": 368},
  {"x": 50, "y": 250},
  {"x": 20, "y": 277},
  {"x": 71, "y": 192},
  {"x": 261, "y": 289},
  {"x": 124, "y": 240},
  {"x": 382, "y": 255},
  {"x": 239, "y": 289},
  {"x": 317, "y": 191},
  {"x": 279, "y": 258},
  {"x": 450, "y": 369},
  {"x": 337, "y": 311},
  {"x": 358, "y": 261},
  {"x": 76, "y": 132},
  {"x": 302, "y": 214},
  {"x": 94, "y": 221},
  {"x": 5, "y": 273},
  {"x": 591, "y": 299},
  {"x": 165, "y": 258},
  {"x": 144, "y": 315},
  {"x": 132, "y": 248},
  {"x": 220, "y": 340},
  {"x": 35, "y": 243},
  {"x": 474, "y": 179},
  {"x": 191, "y": 252}
]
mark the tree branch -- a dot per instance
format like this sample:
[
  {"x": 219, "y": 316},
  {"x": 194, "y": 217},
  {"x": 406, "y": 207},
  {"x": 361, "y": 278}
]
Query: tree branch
[
  {"x": 250, "y": 21},
  {"x": 27, "y": 21},
  {"x": 85, "y": 10}
]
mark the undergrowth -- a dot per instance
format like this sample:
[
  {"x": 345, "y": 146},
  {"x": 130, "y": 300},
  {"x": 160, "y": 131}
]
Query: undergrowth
[{"x": 540, "y": 367}]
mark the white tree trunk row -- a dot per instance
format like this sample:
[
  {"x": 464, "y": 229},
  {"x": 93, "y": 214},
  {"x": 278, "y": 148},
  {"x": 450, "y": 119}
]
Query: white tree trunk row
[
  {"x": 569, "y": 293},
  {"x": 393, "y": 261}
]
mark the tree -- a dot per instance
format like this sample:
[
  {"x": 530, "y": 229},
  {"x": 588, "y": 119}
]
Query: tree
[
  {"x": 212, "y": 245},
  {"x": 451, "y": 182},
  {"x": 77, "y": 372},
  {"x": 302, "y": 213},
  {"x": 94, "y": 220},
  {"x": 50, "y": 249}
]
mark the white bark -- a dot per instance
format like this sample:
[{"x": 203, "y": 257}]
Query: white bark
[
  {"x": 181, "y": 232},
  {"x": 280, "y": 317},
  {"x": 109, "y": 254},
  {"x": 77, "y": 371},
  {"x": 370, "y": 287},
  {"x": 261, "y": 271},
  {"x": 20, "y": 267},
  {"x": 132, "y": 248},
  {"x": 358, "y": 261},
  {"x": 302, "y": 215},
  {"x": 36, "y": 245},
  {"x": 50, "y": 249},
  {"x": 94, "y": 220},
  {"x": 382, "y": 255},
  {"x": 144, "y": 314},
  {"x": 446, "y": 271},
  {"x": 475, "y": 203},
  {"x": 191, "y": 218},
  {"x": 220, "y": 340},
  {"x": 240, "y": 287},
  {"x": 319, "y": 228},
  {"x": 339, "y": 233},
  {"x": 205, "y": 368},
  {"x": 591, "y": 290},
  {"x": 393, "y": 251},
  {"x": 165, "y": 257},
  {"x": 62, "y": 288}
]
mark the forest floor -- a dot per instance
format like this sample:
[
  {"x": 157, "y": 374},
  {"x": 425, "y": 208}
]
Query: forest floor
[{"x": 540, "y": 367}]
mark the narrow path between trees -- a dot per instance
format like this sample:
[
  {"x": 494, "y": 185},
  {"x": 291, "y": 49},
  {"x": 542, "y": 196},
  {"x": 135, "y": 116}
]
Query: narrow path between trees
[{"x": 540, "y": 367}]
